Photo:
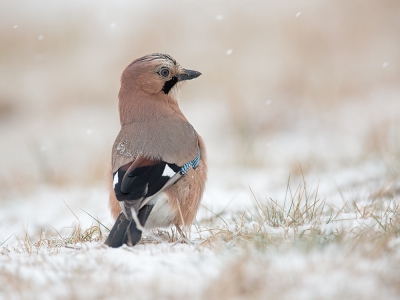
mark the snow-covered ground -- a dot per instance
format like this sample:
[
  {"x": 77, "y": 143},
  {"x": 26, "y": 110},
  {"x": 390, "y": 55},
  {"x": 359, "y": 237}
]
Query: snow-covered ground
[
  {"x": 165, "y": 271},
  {"x": 343, "y": 243}
]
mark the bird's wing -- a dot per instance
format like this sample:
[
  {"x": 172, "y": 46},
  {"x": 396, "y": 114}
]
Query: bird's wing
[{"x": 137, "y": 182}]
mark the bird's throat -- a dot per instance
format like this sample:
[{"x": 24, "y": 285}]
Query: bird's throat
[{"x": 169, "y": 85}]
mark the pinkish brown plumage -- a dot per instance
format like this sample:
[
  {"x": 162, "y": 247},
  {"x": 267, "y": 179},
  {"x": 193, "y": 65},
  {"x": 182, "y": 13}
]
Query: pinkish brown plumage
[{"x": 159, "y": 169}]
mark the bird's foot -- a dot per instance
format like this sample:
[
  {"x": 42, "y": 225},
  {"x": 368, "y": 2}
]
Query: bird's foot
[{"x": 183, "y": 239}]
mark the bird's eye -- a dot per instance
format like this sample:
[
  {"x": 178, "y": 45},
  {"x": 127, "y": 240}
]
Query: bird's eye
[{"x": 164, "y": 72}]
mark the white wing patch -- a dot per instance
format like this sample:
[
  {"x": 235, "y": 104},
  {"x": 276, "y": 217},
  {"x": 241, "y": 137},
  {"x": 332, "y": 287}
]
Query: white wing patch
[
  {"x": 168, "y": 171},
  {"x": 115, "y": 181}
]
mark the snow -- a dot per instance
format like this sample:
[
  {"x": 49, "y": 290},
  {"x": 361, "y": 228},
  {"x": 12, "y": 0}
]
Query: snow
[
  {"x": 302, "y": 199},
  {"x": 177, "y": 270},
  {"x": 182, "y": 271}
]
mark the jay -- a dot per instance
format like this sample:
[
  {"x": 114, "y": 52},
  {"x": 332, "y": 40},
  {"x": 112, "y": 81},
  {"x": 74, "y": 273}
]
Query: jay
[{"x": 158, "y": 160}]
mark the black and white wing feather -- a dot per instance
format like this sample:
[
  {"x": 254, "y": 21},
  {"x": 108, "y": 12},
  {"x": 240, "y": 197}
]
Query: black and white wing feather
[{"x": 138, "y": 184}]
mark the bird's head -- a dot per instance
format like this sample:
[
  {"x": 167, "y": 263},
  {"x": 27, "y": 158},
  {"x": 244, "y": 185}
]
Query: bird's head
[{"x": 155, "y": 73}]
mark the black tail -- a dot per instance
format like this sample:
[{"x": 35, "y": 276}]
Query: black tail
[{"x": 125, "y": 231}]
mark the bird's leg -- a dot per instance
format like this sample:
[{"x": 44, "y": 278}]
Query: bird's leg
[
  {"x": 183, "y": 238},
  {"x": 178, "y": 227},
  {"x": 182, "y": 220}
]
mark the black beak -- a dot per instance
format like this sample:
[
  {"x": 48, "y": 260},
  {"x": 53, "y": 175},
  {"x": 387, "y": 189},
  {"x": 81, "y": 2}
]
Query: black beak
[{"x": 189, "y": 74}]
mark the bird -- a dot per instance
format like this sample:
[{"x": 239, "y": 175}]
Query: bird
[{"x": 158, "y": 162}]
